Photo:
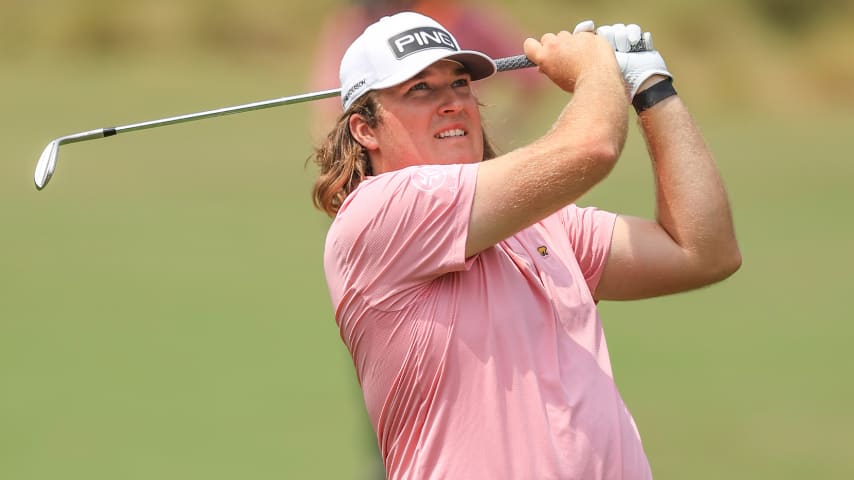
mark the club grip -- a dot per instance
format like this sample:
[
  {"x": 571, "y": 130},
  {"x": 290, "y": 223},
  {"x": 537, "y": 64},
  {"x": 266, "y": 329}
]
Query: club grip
[{"x": 513, "y": 63}]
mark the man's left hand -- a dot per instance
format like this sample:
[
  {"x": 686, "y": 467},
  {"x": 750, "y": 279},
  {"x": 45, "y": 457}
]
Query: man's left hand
[{"x": 636, "y": 56}]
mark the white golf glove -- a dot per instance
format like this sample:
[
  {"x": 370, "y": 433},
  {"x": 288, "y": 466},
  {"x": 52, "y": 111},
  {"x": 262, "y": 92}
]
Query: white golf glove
[
  {"x": 585, "y": 26},
  {"x": 636, "y": 56}
]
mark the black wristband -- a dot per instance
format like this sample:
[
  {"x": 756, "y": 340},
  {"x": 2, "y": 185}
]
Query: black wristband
[{"x": 653, "y": 95}]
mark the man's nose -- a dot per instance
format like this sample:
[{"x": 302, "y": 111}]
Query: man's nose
[{"x": 451, "y": 102}]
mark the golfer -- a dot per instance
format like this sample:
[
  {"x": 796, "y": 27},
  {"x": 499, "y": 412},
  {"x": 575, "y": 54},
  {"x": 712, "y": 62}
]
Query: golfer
[{"x": 465, "y": 289}]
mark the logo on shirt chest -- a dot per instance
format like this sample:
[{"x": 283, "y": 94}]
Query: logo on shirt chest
[{"x": 543, "y": 250}]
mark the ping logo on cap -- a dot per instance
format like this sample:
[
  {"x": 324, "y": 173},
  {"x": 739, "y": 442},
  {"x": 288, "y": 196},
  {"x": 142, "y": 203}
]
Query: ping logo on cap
[{"x": 422, "y": 38}]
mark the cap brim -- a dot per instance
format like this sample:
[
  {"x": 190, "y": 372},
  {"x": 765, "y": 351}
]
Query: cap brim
[{"x": 478, "y": 65}]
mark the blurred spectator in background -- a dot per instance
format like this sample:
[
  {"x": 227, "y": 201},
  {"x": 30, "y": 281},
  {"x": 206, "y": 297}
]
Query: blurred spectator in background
[{"x": 481, "y": 28}]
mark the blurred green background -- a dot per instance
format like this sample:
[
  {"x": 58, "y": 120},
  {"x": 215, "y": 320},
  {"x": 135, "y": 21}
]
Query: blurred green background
[{"x": 163, "y": 312}]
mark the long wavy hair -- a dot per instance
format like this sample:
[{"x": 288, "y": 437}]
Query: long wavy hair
[{"x": 344, "y": 163}]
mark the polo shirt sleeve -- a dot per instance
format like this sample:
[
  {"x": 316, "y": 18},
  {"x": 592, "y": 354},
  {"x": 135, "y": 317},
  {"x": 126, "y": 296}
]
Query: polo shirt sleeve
[
  {"x": 590, "y": 231},
  {"x": 400, "y": 230}
]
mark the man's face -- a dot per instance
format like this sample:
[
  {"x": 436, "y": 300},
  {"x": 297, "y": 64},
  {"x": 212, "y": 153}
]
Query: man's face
[{"x": 432, "y": 118}]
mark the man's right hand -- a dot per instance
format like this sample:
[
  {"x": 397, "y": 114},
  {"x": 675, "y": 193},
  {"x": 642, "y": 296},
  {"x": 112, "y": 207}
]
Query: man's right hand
[{"x": 564, "y": 56}]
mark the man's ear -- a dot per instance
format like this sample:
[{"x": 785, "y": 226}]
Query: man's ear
[{"x": 362, "y": 132}]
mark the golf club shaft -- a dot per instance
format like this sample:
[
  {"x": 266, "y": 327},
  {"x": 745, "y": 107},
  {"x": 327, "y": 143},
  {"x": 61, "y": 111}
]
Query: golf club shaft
[
  {"x": 47, "y": 161},
  {"x": 502, "y": 64}
]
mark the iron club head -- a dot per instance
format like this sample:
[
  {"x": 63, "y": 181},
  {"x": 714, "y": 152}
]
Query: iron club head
[{"x": 46, "y": 164}]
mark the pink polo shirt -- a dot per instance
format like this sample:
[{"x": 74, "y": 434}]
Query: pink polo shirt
[{"x": 493, "y": 367}]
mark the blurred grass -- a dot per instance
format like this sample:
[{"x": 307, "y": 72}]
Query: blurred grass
[
  {"x": 740, "y": 52},
  {"x": 163, "y": 312}
]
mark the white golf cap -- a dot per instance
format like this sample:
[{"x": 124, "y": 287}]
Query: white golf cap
[{"x": 396, "y": 48}]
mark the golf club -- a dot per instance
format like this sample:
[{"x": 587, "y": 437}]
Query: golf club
[{"x": 47, "y": 161}]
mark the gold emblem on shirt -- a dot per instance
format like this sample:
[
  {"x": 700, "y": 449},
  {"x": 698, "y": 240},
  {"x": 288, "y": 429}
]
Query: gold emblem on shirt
[{"x": 544, "y": 250}]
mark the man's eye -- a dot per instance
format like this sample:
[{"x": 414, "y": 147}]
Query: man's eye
[
  {"x": 419, "y": 86},
  {"x": 463, "y": 82}
]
